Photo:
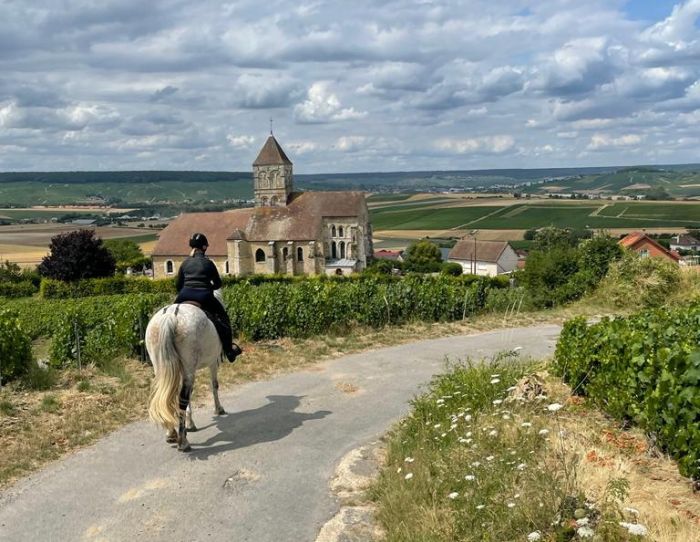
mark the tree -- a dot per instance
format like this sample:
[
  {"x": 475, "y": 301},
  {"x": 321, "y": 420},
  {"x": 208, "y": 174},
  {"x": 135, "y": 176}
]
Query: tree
[
  {"x": 423, "y": 257},
  {"x": 551, "y": 237},
  {"x": 77, "y": 255},
  {"x": 127, "y": 253},
  {"x": 547, "y": 276}
]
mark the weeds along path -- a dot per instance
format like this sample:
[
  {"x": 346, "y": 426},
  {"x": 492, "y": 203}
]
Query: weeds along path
[{"x": 260, "y": 473}]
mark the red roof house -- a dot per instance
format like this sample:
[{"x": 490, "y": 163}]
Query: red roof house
[{"x": 645, "y": 246}]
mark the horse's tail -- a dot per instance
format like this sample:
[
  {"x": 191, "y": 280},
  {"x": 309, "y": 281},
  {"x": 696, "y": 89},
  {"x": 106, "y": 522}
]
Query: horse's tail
[{"x": 164, "y": 405}]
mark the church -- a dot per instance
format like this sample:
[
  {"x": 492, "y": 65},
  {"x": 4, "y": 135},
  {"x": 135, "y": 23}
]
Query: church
[{"x": 287, "y": 232}]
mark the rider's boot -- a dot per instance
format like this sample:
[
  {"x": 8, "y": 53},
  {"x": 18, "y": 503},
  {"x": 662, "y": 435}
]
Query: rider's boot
[{"x": 233, "y": 351}]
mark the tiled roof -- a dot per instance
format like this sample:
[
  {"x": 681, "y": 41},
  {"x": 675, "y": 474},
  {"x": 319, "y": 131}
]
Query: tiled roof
[
  {"x": 685, "y": 240},
  {"x": 481, "y": 251},
  {"x": 173, "y": 240},
  {"x": 301, "y": 219},
  {"x": 384, "y": 254},
  {"x": 272, "y": 154}
]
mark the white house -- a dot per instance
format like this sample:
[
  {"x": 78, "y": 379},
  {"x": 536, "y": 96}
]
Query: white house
[
  {"x": 684, "y": 242},
  {"x": 489, "y": 258}
]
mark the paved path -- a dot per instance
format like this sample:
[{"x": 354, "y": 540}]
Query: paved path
[{"x": 257, "y": 474}]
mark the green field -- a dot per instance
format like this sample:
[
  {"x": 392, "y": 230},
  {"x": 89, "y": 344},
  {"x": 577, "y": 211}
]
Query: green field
[
  {"x": 47, "y": 214},
  {"x": 538, "y": 214},
  {"x": 122, "y": 193}
]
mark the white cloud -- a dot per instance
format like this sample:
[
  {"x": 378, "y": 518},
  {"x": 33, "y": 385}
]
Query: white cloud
[
  {"x": 240, "y": 142},
  {"x": 487, "y": 144},
  {"x": 322, "y": 105},
  {"x": 607, "y": 141}
]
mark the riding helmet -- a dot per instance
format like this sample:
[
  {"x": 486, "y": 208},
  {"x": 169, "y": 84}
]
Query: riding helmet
[{"x": 198, "y": 240}]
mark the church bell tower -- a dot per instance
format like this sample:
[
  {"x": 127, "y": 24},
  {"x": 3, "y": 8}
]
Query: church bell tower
[{"x": 272, "y": 175}]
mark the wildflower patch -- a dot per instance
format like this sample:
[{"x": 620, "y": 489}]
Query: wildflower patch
[{"x": 478, "y": 460}]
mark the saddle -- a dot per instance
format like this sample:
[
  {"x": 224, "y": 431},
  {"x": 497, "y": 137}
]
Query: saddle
[{"x": 193, "y": 303}]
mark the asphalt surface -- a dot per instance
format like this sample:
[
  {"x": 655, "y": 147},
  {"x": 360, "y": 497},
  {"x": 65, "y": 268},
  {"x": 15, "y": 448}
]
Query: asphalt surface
[{"x": 259, "y": 473}]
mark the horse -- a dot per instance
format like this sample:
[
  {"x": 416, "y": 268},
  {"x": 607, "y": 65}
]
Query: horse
[{"x": 180, "y": 339}]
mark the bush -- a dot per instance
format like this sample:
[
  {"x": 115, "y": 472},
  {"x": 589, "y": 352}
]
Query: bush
[
  {"x": 15, "y": 347},
  {"x": 451, "y": 268},
  {"x": 638, "y": 282},
  {"x": 17, "y": 289},
  {"x": 645, "y": 369}
]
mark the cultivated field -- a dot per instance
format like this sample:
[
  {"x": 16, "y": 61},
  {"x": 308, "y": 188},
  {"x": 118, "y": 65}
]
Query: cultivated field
[
  {"x": 516, "y": 214},
  {"x": 396, "y": 223},
  {"x": 27, "y": 244}
]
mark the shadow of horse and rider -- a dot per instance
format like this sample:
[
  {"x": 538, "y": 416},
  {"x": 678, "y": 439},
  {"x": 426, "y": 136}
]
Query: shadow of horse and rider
[{"x": 268, "y": 423}]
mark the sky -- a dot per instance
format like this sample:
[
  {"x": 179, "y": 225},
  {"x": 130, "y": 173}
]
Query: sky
[{"x": 350, "y": 86}]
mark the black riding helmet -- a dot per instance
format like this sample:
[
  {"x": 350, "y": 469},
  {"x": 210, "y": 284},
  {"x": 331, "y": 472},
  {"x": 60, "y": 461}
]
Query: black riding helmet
[{"x": 198, "y": 240}]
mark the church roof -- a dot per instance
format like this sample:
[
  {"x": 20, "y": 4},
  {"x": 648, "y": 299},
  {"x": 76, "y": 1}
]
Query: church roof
[
  {"x": 301, "y": 220},
  {"x": 173, "y": 240},
  {"x": 272, "y": 154}
]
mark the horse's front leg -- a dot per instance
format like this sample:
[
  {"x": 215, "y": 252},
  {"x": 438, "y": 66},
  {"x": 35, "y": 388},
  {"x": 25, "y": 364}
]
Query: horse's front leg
[
  {"x": 185, "y": 412},
  {"x": 218, "y": 409}
]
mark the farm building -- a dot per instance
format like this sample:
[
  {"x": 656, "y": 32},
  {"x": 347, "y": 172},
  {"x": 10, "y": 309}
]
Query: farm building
[
  {"x": 286, "y": 232},
  {"x": 646, "y": 247},
  {"x": 489, "y": 258}
]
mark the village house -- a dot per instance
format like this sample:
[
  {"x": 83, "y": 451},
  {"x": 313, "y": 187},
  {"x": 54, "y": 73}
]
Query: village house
[
  {"x": 684, "y": 241},
  {"x": 287, "y": 232},
  {"x": 488, "y": 258},
  {"x": 647, "y": 247}
]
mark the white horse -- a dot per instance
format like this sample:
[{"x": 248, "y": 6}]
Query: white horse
[{"x": 180, "y": 339}]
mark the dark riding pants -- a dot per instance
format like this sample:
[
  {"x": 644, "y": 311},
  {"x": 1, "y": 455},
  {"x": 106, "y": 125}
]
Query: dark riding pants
[{"x": 211, "y": 305}]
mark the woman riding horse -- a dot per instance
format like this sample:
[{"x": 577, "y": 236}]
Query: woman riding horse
[{"x": 196, "y": 281}]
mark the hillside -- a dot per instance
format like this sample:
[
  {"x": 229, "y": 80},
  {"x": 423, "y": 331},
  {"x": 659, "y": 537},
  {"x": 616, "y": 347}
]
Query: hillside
[
  {"x": 136, "y": 188},
  {"x": 678, "y": 183}
]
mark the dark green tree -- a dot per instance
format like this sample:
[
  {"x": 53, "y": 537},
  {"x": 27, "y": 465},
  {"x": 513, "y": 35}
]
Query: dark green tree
[{"x": 77, "y": 255}]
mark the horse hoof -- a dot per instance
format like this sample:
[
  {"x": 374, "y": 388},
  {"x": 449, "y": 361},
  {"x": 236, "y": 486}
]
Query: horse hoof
[
  {"x": 185, "y": 448},
  {"x": 219, "y": 411},
  {"x": 171, "y": 440},
  {"x": 192, "y": 429}
]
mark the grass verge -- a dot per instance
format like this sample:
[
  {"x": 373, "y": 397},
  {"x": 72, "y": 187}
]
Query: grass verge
[{"x": 496, "y": 453}]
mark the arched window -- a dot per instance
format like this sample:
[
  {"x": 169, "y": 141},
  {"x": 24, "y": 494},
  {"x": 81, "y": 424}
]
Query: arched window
[
  {"x": 300, "y": 254},
  {"x": 260, "y": 255},
  {"x": 226, "y": 268},
  {"x": 274, "y": 201},
  {"x": 285, "y": 253},
  {"x": 339, "y": 271},
  {"x": 333, "y": 231},
  {"x": 340, "y": 231},
  {"x": 169, "y": 267},
  {"x": 334, "y": 251},
  {"x": 265, "y": 201},
  {"x": 342, "y": 249}
]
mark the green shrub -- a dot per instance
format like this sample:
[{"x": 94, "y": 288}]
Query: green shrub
[
  {"x": 451, "y": 268},
  {"x": 644, "y": 368},
  {"x": 17, "y": 289},
  {"x": 15, "y": 347}
]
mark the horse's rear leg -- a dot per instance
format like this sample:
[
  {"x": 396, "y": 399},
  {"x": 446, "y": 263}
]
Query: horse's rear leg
[
  {"x": 185, "y": 412},
  {"x": 218, "y": 409}
]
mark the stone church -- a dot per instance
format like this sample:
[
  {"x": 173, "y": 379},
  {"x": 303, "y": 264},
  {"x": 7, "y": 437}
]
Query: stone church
[{"x": 287, "y": 232}]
